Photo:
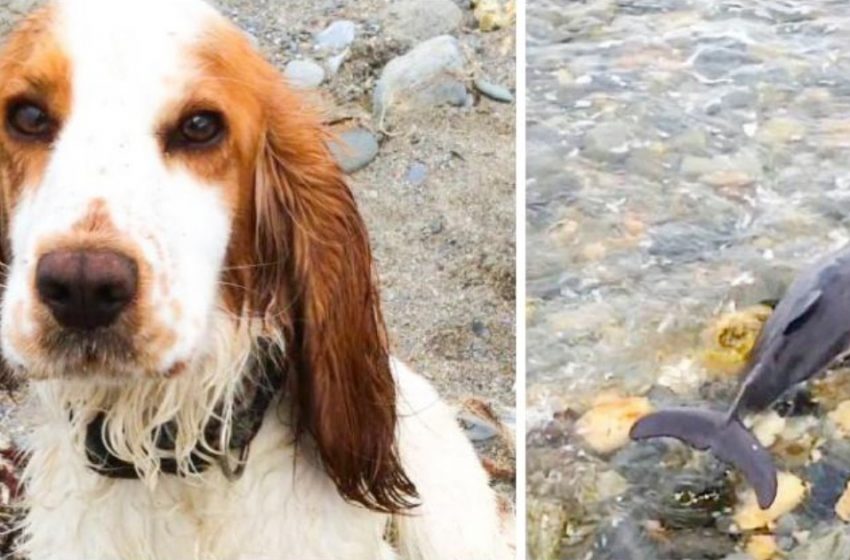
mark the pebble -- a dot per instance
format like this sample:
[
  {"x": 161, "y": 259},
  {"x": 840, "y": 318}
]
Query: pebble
[
  {"x": 304, "y": 74},
  {"x": 715, "y": 62},
  {"x": 762, "y": 547},
  {"x": 767, "y": 427},
  {"x": 778, "y": 131},
  {"x": 354, "y": 149},
  {"x": 731, "y": 337},
  {"x": 728, "y": 178},
  {"x": 827, "y": 545},
  {"x": 683, "y": 377},
  {"x": 413, "y": 21},
  {"x": 790, "y": 492},
  {"x": 608, "y": 141},
  {"x": 494, "y": 14},
  {"x": 842, "y": 506},
  {"x": 476, "y": 428},
  {"x": 430, "y": 74},
  {"x": 417, "y": 173},
  {"x": 495, "y": 92},
  {"x": 840, "y": 417},
  {"x": 337, "y": 37},
  {"x": 605, "y": 427}
]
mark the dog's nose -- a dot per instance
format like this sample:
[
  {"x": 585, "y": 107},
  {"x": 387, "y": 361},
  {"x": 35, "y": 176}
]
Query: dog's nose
[{"x": 86, "y": 290}]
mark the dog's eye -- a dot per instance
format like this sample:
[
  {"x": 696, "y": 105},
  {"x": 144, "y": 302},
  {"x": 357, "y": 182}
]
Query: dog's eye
[
  {"x": 198, "y": 130},
  {"x": 29, "y": 121}
]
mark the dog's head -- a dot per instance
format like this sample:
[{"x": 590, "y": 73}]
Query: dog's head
[{"x": 157, "y": 174}]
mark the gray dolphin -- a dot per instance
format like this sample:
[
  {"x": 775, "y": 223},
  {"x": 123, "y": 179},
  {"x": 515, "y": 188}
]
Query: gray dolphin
[{"x": 809, "y": 328}]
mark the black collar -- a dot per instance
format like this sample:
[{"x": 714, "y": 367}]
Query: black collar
[{"x": 246, "y": 422}]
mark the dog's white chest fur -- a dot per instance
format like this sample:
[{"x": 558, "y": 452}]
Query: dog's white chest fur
[
  {"x": 283, "y": 507},
  {"x": 279, "y": 509}
]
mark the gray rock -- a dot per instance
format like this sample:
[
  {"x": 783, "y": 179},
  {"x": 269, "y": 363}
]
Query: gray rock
[
  {"x": 412, "y": 21},
  {"x": 429, "y": 75},
  {"x": 646, "y": 162},
  {"x": 477, "y": 428},
  {"x": 831, "y": 543},
  {"x": 608, "y": 141},
  {"x": 494, "y": 91},
  {"x": 337, "y": 37},
  {"x": 354, "y": 149},
  {"x": 304, "y": 74},
  {"x": 717, "y": 61}
]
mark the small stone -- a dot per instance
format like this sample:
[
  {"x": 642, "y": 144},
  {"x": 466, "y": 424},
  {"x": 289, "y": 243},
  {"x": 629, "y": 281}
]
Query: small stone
[
  {"x": 494, "y": 91},
  {"x": 691, "y": 141},
  {"x": 564, "y": 77},
  {"x": 841, "y": 418},
  {"x": 608, "y": 141},
  {"x": 842, "y": 507},
  {"x": 716, "y": 62},
  {"x": 413, "y": 21},
  {"x": 683, "y": 377},
  {"x": 762, "y": 547},
  {"x": 430, "y": 74},
  {"x": 605, "y": 427},
  {"x": 781, "y": 131},
  {"x": 476, "y": 428},
  {"x": 594, "y": 251},
  {"x": 337, "y": 37},
  {"x": 480, "y": 329},
  {"x": 790, "y": 492},
  {"x": 417, "y": 173},
  {"x": 647, "y": 161},
  {"x": 494, "y": 14},
  {"x": 610, "y": 484},
  {"x": 834, "y": 543},
  {"x": 728, "y": 179},
  {"x": 743, "y": 162},
  {"x": 767, "y": 427},
  {"x": 304, "y": 74},
  {"x": 354, "y": 149},
  {"x": 730, "y": 338}
]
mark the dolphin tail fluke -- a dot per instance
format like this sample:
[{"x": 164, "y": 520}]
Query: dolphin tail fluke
[{"x": 723, "y": 435}]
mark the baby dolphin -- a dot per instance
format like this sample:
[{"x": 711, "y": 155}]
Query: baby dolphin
[{"x": 809, "y": 328}]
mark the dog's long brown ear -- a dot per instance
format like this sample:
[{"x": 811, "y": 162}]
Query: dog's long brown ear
[{"x": 315, "y": 283}]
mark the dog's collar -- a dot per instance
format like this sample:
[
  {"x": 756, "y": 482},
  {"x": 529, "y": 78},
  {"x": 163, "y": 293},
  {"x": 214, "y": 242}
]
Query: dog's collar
[{"x": 246, "y": 421}]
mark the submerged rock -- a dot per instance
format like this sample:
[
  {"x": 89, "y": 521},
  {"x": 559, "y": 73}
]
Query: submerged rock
[
  {"x": 790, "y": 493},
  {"x": 605, "y": 427},
  {"x": 730, "y": 338},
  {"x": 694, "y": 499},
  {"x": 831, "y": 544},
  {"x": 762, "y": 547},
  {"x": 609, "y": 141}
]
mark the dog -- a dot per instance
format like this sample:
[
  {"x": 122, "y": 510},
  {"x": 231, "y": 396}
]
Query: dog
[{"x": 188, "y": 290}]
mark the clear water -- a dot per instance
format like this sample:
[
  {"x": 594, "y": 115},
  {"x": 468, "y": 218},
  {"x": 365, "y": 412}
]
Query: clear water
[{"x": 686, "y": 157}]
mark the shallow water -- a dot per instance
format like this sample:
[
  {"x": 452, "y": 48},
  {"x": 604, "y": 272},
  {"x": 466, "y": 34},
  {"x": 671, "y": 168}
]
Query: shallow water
[{"x": 685, "y": 159}]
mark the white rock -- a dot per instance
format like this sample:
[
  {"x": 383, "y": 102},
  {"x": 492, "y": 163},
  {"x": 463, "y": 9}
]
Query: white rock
[
  {"x": 304, "y": 74},
  {"x": 338, "y": 36}
]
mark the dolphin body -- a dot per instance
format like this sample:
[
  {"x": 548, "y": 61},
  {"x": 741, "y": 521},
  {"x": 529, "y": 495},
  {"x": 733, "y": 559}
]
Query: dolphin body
[{"x": 809, "y": 328}]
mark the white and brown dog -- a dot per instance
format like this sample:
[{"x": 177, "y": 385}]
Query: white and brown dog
[{"x": 188, "y": 287}]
